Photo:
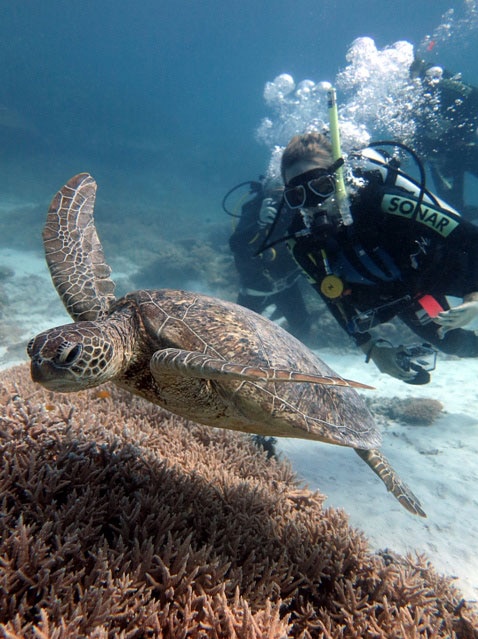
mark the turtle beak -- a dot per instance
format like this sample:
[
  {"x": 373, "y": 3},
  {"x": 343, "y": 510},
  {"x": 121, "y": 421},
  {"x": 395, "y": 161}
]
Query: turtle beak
[
  {"x": 45, "y": 373},
  {"x": 50, "y": 362},
  {"x": 35, "y": 370},
  {"x": 34, "y": 353}
]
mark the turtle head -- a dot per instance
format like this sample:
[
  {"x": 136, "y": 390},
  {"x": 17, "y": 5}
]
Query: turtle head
[{"x": 74, "y": 357}]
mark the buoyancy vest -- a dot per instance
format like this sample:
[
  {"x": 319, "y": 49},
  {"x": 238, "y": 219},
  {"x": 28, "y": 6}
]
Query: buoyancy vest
[{"x": 351, "y": 257}]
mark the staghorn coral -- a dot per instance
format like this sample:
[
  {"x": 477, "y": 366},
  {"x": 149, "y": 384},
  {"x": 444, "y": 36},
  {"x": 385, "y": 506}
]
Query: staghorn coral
[{"x": 119, "y": 520}]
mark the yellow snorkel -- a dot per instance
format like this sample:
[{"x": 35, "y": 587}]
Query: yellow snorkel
[{"x": 341, "y": 191}]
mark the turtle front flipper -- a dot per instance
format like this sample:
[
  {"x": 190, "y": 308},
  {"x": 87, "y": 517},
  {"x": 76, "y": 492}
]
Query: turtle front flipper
[
  {"x": 203, "y": 366},
  {"x": 381, "y": 466},
  {"x": 74, "y": 253}
]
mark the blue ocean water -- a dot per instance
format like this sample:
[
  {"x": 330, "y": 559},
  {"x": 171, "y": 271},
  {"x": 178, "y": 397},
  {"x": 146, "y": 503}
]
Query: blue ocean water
[{"x": 160, "y": 100}]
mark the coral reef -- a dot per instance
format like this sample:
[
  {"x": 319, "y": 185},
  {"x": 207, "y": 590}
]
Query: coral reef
[
  {"x": 120, "y": 520},
  {"x": 5, "y": 274},
  {"x": 177, "y": 264},
  {"x": 417, "y": 411}
]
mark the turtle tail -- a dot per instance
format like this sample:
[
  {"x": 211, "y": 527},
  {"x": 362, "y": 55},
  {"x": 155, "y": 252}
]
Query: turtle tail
[{"x": 381, "y": 467}]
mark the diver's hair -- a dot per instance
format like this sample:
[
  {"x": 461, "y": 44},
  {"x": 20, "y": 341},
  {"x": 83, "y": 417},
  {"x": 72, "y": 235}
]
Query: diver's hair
[{"x": 307, "y": 146}]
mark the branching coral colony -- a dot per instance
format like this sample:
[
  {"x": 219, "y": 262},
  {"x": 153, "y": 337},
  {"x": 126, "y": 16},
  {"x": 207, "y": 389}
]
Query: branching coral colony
[{"x": 119, "y": 520}]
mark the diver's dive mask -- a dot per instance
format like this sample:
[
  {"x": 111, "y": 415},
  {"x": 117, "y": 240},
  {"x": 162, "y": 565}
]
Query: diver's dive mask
[{"x": 311, "y": 188}]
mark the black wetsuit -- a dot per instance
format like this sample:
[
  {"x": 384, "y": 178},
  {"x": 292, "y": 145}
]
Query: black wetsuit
[
  {"x": 270, "y": 277},
  {"x": 388, "y": 260}
]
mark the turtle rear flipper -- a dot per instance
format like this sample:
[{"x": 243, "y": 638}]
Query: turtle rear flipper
[
  {"x": 381, "y": 467},
  {"x": 74, "y": 253}
]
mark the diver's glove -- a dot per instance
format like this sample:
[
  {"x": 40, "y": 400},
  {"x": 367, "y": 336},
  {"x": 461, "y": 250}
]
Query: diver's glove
[
  {"x": 458, "y": 316},
  {"x": 386, "y": 358},
  {"x": 267, "y": 213}
]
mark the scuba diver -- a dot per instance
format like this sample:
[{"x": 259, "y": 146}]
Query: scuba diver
[
  {"x": 381, "y": 246},
  {"x": 447, "y": 131},
  {"x": 270, "y": 277}
]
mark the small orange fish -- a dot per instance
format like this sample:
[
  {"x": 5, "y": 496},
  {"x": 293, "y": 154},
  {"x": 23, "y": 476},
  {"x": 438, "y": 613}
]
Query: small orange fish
[
  {"x": 102, "y": 394},
  {"x": 50, "y": 406}
]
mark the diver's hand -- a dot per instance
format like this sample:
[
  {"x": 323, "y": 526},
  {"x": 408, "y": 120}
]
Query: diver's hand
[
  {"x": 458, "y": 316},
  {"x": 267, "y": 213},
  {"x": 384, "y": 356}
]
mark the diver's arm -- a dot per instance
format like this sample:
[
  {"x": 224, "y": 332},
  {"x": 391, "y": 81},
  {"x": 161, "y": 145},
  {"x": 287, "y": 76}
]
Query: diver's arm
[
  {"x": 464, "y": 247},
  {"x": 471, "y": 297},
  {"x": 459, "y": 316}
]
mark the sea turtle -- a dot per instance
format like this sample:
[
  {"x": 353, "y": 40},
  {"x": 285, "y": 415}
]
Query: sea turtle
[{"x": 197, "y": 356}]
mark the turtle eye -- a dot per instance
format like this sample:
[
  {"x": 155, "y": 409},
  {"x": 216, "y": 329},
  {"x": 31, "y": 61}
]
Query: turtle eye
[{"x": 68, "y": 353}]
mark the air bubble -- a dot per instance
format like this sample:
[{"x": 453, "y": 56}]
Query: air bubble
[{"x": 281, "y": 86}]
